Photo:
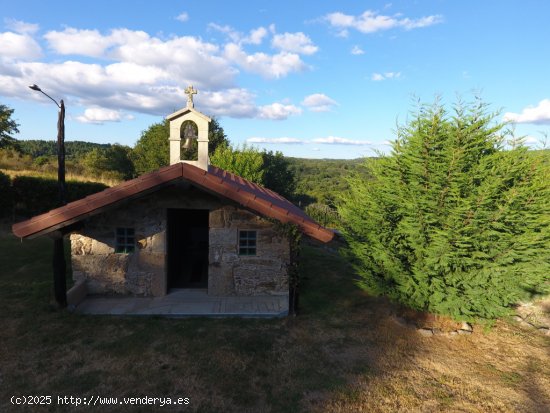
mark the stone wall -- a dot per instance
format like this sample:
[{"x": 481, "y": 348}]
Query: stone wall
[
  {"x": 95, "y": 261},
  {"x": 143, "y": 272},
  {"x": 232, "y": 274}
]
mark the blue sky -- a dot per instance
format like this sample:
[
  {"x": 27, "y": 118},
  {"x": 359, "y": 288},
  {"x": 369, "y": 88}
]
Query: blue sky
[{"x": 313, "y": 79}]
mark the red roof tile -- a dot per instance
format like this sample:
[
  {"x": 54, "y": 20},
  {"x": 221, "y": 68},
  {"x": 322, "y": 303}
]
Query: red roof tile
[{"x": 216, "y": 180}]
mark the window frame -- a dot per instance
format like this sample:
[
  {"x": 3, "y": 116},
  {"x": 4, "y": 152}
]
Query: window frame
[
  {"x": 125, "y": 240},
  {"x": 247, "y": 245}
]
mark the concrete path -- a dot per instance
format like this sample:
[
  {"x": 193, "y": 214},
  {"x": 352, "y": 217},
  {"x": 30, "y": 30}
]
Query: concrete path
[{"x": 187, "y": 303}]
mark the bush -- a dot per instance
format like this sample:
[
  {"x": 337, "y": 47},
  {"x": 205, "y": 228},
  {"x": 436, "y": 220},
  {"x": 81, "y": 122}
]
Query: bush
[
  {"x": 452, "y": 222},
  {"x": 35, "y": 195},
  {"x": 6, "y": 195},
  {"x": 323, "y": 214}
]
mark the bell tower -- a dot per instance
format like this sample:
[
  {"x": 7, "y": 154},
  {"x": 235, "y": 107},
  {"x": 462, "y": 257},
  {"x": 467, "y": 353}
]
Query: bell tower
[{"x": 189, "y": 124}]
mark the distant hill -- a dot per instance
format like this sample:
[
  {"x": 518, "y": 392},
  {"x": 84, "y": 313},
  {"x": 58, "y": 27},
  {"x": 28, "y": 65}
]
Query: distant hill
[
  {"x": 322, "y": 180},
  {"x": 73, "y": 149},
  {"x": 318, "y": 180}
]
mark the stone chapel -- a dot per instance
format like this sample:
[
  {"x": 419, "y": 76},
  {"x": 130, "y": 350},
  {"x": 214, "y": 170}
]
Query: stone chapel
[{"x": 189, "y": 225}]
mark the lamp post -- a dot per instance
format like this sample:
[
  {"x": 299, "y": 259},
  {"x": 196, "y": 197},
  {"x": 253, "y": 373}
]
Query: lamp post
[{"x": 59, "y": 266}]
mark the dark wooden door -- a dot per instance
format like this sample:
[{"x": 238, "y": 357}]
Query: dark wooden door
[{"x": 187, "y": 248}]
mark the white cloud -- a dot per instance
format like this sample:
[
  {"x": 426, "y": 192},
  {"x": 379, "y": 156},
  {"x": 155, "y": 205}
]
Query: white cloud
[
  {"x": 21, "y": 27},
  {"x": 330, "y": 140},
  {"x": 278, "y": 111},
  {"x": 539, "y": 114},
  {"x": 182, "y": 17},
  {"x": 134, "y": 74},
  {"x": 377, "y": 77},
  {"x": 295, "y": 43},
  {"x": 81, "y": 42},
  {"x": 371, "y": 22},
  {"x": 186, "y": 59},
  {"x": 319, "y": 102},
  {"x": 134, "y": 71},
  {"x": 284, "y": 140},
  {"x": 356, "y": 50},
  {"x": 343, "y": 33},
  {"x": 234, "y": 102},
  {"x": 410, "y": 24},
  {"x": 392, "y": 75},
  {"x": 18, "y": 46},
  {"x": 268, "y": 66},
  {"x": 529, "y": 140},
  {"x": 335, "y": 140},
  {"x": 229, "y": 31},
  {"x": 255, "y": 36},
  {"x": 101, "y": 115}
]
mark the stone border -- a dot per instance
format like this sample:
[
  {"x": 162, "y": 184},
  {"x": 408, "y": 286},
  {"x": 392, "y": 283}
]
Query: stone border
[
  {"x": 76, "y": 294},
  {"x": 523, "y": 322},
  {"x": 465, "y": 329}
]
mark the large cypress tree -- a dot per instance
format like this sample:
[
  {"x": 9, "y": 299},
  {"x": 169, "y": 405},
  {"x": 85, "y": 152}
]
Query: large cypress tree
[{"x": 455, "y": 220}]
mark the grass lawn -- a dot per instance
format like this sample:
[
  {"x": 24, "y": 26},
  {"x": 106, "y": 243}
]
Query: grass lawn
[{"x": 344, "y": 353}]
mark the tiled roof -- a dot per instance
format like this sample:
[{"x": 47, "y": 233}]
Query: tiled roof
[{"x": 226, "y": 184}]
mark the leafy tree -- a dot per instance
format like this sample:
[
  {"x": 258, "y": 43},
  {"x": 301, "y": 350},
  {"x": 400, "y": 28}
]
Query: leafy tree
[
  {"x": 152, "y": 150},
  {"x": 7, "y": 127},
  {"x": 452, "y": 222},
  {"x": 115, "y": 158},
  {"x": 246, "y": 162},
  {"x": 278, "y": 175}
]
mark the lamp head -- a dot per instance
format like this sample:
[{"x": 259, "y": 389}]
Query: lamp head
[{"x": 35, "y": 87}]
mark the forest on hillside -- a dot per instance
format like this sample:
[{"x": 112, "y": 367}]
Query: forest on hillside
[{"x": 314, "y": 184}]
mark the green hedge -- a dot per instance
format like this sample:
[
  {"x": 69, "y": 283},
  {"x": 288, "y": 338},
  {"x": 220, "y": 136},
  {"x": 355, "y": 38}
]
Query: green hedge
[
  {"x": 6, "y": 195},
  {"x": 35, "y": 195}
]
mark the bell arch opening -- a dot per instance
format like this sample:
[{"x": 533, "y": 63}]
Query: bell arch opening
[{"x": 189, "y": 132}]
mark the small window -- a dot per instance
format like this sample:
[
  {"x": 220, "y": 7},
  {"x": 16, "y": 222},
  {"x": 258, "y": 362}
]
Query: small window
[
  {"x": 125, "y": 240},
  {"x": 247, "y": 242}
]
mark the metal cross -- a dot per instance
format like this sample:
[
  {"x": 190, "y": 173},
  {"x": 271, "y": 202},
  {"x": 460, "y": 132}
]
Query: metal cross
[{"x": 190, "y": 92}]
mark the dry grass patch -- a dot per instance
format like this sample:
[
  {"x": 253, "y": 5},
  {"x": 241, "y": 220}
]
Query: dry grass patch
[
  {"x": 344, "y": 353},
  {"x": 69, "y": 176}
]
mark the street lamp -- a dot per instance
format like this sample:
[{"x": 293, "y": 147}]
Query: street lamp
[{"x": 59, "y": 266}]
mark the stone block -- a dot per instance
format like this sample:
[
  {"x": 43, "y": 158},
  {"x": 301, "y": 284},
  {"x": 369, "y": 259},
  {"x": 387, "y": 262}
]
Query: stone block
[
  {"x": 216, "y": 219},
  {"x": 220, "y": 281},
  {"x": 158, "y": 242},
  {"x": 250, "y": 280},
  {"x": 149, "y": 261},
  {"x": 101, "y": 248},
  {"x": 215, "y": 254},
  {"x": 80, "y": 245},
  {"x": 158, "y": 284},
  {"x": 77, "y": 293},
  {"x": 230, "y": 257},
  {"x": 223, "y": 236}
]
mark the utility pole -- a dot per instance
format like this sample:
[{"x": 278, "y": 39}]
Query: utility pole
[{"x": 59, "y": 265}]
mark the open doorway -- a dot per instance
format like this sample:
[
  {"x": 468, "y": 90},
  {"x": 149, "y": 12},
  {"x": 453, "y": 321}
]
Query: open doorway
[{"x": 187, "y": 239}]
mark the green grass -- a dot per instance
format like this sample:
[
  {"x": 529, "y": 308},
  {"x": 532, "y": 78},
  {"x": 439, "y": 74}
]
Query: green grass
[{"x": 342, "y": 353}]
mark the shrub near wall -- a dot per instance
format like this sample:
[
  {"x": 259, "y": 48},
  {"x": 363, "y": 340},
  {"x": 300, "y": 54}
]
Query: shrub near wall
[
  {"x": 36, "y": 195},
  {"x": 6, "y": 195}
]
